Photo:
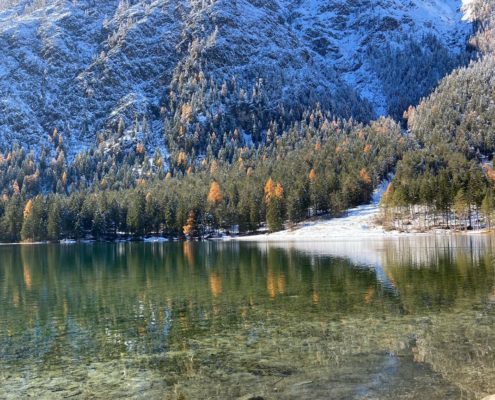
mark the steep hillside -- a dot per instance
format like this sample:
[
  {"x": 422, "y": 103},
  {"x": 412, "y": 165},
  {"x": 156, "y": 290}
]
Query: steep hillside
[
  {"x": 87, "y": 66},
  {"x": 447, "y": 173}
]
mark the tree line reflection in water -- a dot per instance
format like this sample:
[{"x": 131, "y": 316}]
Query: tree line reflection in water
[
  {"x": 101, "y": 284},
  {"x": 61, "y": 304}
]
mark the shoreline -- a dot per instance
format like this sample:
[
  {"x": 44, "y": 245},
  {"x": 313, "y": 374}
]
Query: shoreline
[
  {"x": 285, "y": 236},
  {"x": 276, "y": 237},
  {"x": 375, "y": 233},
  {"x": 357, "y": 224}
]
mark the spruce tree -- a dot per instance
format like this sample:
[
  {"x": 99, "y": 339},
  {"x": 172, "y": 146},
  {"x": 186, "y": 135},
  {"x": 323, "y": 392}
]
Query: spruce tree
[
  {"x": 54, "y": 220},
  {"x": 136, "y": 215}
]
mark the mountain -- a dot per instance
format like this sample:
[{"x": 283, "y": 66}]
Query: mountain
[{"x": 86, "y": 67}]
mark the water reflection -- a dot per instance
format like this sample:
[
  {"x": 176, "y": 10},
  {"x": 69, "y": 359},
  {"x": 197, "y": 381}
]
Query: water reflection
[{"x": 357, "y": 319}]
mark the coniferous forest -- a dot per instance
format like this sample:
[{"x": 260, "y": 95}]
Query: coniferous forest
[
  {"x": 294, "y": 164},
  {"x": 448, "y": 179},
  {"x": 318, "y": 166}
]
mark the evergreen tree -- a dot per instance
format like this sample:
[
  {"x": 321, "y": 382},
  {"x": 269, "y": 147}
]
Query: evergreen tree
[
  {"x": 461, "y": 205},
  {"x": 54, "y": 223},
  {"x": 488, "y": 208},
  {"x": 13, "y": 219},
  {"x": 136, "y": 216}
]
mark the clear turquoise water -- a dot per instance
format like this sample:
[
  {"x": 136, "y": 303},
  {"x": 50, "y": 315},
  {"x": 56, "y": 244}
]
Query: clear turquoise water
[{"x": 408, "y": 319}]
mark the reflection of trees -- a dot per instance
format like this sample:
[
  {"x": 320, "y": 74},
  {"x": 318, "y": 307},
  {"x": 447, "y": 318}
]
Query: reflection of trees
[
  {"x": 109, "y": 299},
  {"x": 104, "y": 301},
  {"x": 451, "y": 284},
  {"x": 215, "y": 284},
  {"x": 433, "y": 275}
]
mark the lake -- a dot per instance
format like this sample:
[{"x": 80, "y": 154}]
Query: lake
[{"x": 409, "y": 318}]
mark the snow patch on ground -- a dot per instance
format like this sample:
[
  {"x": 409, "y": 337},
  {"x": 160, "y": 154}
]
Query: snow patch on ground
[
  {"x": 68, "y": 241},
  {"x": 155, "y": 239},
  {"x": 358, "y": 223}
]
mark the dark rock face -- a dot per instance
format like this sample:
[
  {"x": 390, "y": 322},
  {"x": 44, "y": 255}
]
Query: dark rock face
[{"x": 82, "y": 66}]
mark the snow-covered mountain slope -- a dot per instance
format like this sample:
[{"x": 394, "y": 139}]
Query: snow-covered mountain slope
[{"x": 79, "y": 66}]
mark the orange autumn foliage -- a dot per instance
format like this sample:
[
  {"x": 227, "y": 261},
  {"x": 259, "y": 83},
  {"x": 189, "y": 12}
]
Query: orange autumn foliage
[
  {"x": 215, "y": 284},
  {"x": 364, "y": 176},
  {"x": 28, "y": 208},
  {"x": 312, "y": 176},
  {"x": 215, "y": 195},
  {"x": 28, "y": 280},
  {"x": 188, "y": 229},
  {"x": 490, "y": 172},
  {"x": 269, "y": 189},
  {"x": 273, "y": 191},
  {"x": 270, "y": 285}
]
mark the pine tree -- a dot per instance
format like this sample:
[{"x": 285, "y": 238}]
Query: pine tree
[
  {"x": 461, "y": 205},
  {"x": 298, "y": 201},
  {"x": 98, "y": 228},
  {"x": 13, "y": 218},
  {"x": 54, "y": 220},
  {"x": 152, "y": 214},
  {"x": 136, "y": 215},
  {"x": 488, "y": 208}
]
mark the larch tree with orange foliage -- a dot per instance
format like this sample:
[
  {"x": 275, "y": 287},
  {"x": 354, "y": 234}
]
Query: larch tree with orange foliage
[
  {"x": 365, "y": 176},
  {"x": 274, "y": 194},
  {"x": 34, "y": 223},
  {"x": 215, "y": 195},
  {"x": 27, "y": 209},
  {"x": 191, "y": 228},
  {"x": 312, "y": 176},
  {"x": 215, "y": 202}
]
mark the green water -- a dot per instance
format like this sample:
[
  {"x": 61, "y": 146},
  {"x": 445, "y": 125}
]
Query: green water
[{"x": 401, "y": 319}]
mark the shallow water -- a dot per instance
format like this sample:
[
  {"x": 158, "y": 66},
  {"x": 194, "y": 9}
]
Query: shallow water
[{"x": 397, "y": 319}]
